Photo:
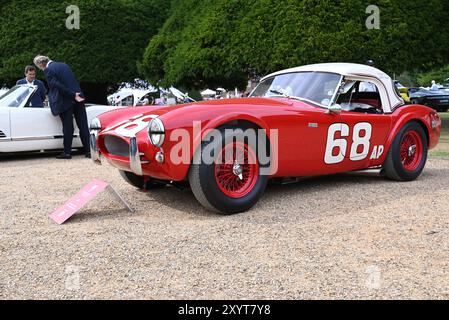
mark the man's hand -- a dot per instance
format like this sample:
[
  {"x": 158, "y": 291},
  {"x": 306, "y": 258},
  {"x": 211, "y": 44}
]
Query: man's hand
[{"x": 78, "y": 97}]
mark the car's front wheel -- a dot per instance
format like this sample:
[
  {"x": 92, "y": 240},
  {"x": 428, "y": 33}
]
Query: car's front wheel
[
  {"x": 232, "y": 182},
  {"x": 407, "y": 156}
]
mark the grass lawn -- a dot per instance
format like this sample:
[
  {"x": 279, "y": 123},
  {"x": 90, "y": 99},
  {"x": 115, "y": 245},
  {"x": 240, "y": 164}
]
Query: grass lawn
[{"x": 442, "y": 150}]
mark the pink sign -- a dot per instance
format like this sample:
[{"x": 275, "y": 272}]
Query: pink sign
[{"x": 72, "y": 206}]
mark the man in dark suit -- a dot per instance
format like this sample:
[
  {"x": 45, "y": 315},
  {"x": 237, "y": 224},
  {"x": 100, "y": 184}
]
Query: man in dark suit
[
  {"x": 66, "y": 100},
  {"x": 37, "y": 101}
]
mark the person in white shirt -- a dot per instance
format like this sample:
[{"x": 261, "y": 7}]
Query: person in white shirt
[
  {"x": 434, "y": 86},
  {"x": 37, "y": 101}
]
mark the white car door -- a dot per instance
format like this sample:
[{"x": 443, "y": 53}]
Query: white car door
[
  {"x": 34, "y": 124},
  {"x": 31, "y": 128},
  {"x": 39, "y": 129},
  {"x": 5, "y": 130}
]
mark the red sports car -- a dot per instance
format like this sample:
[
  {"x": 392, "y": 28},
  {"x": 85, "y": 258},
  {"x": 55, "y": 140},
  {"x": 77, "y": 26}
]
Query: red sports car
[{"x": 307, "y": 121}]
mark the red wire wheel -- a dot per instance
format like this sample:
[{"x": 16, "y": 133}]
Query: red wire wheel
[
  {"x": 236, "y": 170},
  {"x": 411, "y": 150}
]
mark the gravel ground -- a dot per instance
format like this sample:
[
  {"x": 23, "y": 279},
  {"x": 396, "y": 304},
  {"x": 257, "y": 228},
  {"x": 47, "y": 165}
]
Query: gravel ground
[{"x": 347, "y": 236}]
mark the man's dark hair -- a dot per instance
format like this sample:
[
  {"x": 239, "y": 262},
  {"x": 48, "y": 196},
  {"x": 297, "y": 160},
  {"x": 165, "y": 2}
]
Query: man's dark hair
[{"x": 29, "y": 68}]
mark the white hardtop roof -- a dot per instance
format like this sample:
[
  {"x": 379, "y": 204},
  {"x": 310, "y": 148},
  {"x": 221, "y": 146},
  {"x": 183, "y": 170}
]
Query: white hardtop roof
[
  {"x": 345, "y": 69},
  {"x": 352, "y": 70}
]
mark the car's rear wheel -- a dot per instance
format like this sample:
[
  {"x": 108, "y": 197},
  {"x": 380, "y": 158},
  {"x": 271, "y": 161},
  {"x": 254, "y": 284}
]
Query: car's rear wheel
[
  {"x": 138, "y": 181},
  {"x": 407, "y": 156},
  {"x": 233, "y": 183}
]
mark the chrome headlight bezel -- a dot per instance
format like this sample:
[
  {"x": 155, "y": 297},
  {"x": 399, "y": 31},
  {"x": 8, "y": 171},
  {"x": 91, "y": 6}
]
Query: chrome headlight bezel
[
  {"x": 156, "y": 132},
  {"x": 95, "y": 125}
]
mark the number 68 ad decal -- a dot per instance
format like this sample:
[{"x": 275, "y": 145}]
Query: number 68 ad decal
[{"x": 361, "y": 142}]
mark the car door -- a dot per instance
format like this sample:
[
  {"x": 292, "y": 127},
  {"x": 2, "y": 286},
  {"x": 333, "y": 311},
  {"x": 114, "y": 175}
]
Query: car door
[
  {"x": 32, "y": 128},
  {"x": 34, "y": 124},
  {"x": 310, "y": 140},
  {"x": 5, "y": 129},
  {"x": 368, "y": 134},
  {"x": 39, "y": 128},
  {"x": 368, "y": 129},
  {"x": 14, "y": 99}
]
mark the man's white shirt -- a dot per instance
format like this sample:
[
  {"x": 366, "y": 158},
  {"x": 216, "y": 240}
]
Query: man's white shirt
[{"x": 30, "y": 84}]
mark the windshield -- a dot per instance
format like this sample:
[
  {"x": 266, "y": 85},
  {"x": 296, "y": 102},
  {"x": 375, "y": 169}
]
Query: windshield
[
  {"x": 16, "y": 96},
  {"x": 316, "y": 87}
]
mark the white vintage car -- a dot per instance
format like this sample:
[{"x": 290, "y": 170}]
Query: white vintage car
[{"x": 34, "y": 129}]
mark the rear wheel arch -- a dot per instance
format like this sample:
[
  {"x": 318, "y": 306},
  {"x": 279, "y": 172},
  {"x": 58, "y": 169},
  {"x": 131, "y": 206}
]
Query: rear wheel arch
[
  {"x": 403, "y": 123},
  {"x": 424, "y": 127}
]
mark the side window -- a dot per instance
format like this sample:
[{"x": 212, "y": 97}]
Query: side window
[
  {"x": 367, "y": 87},
  {"x": 127, "y": 102},
  {"x": 364, "y": 97}
]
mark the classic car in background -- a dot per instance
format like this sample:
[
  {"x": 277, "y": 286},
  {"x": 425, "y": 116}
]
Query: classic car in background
[
  {"x": 3, "y": 91},
  {"x": 404, "y": 91},
  {"x": 172, "y": 96},
  {"x": 129, "y": 97},
  {"x": 33, "y": 129},
  {"x": 435, "y": 99},
  {"x": 312, "y": 120}
]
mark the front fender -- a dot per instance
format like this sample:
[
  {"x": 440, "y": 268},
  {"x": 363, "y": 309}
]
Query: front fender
[
  {"x": 220, "y": 121},
  {"x": 197, "y": 133}
]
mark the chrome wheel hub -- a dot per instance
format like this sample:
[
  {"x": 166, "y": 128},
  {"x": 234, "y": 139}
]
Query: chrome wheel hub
[
  {"x": 238, "y": 171},
  {"x": 411, "y": 150}
]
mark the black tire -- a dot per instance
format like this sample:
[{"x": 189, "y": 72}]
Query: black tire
[
  {"x": 204, "y": 185},
  {"x": 138, "y": 181},
  {"x": 394, "y": 167}
]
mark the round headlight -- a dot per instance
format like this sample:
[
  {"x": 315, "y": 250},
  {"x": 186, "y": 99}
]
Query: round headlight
[
  {"x": 95, "y": 124},
  {"x": 156, "y": 132}
]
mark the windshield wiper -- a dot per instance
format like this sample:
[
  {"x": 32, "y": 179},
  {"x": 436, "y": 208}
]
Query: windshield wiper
[{"x": 282, "y": 94}]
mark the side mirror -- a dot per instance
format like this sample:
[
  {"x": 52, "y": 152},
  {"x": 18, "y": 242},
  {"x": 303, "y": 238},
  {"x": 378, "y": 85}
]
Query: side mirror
[{"x": 334, "y": 109}]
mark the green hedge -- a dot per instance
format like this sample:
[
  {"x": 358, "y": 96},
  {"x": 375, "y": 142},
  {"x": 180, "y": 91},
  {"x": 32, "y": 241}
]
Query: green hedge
[
  {"x": 223, "y": 42},
  {"x": 105, "y": 50}
]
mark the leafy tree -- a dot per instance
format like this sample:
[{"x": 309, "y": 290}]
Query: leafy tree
[
  {"x": 103, "y": 52},
  {"x": 223, "y": 42},
  {"x": 440, "y": 76}
]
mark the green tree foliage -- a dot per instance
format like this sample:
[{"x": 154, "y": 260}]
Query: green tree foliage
[
  {"x": 440, "y": 76},
  {"x": 104, "y": 51},
  {"x": 223, "y": 42}
]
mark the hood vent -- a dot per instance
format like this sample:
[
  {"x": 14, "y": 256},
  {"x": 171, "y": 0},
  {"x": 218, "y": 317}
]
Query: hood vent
[{"x": 2, "y": 135}]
